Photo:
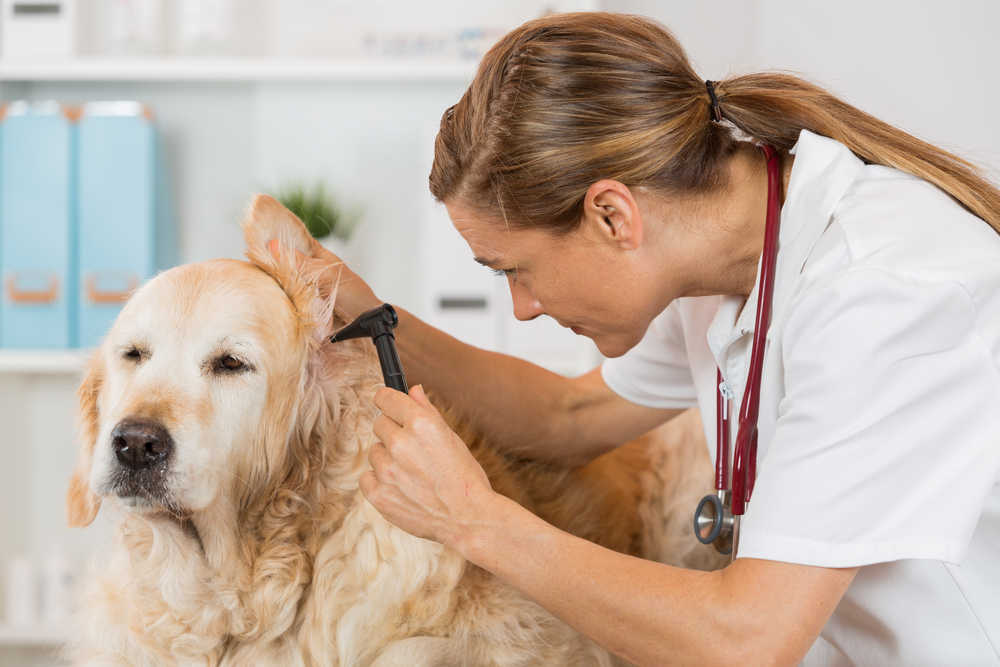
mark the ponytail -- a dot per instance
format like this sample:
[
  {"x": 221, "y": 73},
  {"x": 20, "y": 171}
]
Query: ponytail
[{"x": 774, "y": 107}]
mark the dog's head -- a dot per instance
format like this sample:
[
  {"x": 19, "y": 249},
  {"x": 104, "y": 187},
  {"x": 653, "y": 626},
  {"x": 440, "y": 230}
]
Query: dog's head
[{"x": 207, "y": 387}]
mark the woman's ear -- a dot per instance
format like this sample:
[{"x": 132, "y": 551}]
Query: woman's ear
[
  {"x": 610, "y": 209},
  {"x": 82, "y": 503}
]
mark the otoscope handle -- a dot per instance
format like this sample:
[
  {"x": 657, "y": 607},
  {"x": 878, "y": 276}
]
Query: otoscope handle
[{"x": 392, "y": 369}]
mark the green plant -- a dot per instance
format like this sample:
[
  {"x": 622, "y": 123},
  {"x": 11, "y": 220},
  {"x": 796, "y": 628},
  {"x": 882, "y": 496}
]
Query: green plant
[{"x": 319, "y": 211}]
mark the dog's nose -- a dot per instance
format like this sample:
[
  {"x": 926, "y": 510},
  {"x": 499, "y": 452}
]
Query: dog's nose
[{"x": 140, "y": 443}]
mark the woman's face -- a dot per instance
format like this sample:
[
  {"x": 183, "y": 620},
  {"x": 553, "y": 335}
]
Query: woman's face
[
  {"x": 601, "y": 285},
  {"x": 633, "y": 253}
]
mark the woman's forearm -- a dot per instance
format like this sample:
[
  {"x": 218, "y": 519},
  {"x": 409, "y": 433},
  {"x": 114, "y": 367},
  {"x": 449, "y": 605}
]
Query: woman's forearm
[
  {"x": 647, "y": 612},
  {"x": 520, "y": 405}
]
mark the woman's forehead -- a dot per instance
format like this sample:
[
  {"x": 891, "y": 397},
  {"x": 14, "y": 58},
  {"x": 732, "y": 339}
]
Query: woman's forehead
[
  {"x": 468, "y": 218},
  {"x": 491, "y": 238}
]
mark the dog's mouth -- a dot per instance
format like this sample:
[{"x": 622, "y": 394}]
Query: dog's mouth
[
  {"x": 148, "y": 495},
  {"x": 144, "y": 491}
]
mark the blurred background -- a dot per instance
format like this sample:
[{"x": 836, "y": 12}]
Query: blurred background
[{"x": 134, "y": 133}]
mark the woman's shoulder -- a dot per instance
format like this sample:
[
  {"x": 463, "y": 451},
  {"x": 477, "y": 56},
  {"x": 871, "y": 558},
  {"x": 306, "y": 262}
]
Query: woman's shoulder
[{"x": 894, "y": 221}]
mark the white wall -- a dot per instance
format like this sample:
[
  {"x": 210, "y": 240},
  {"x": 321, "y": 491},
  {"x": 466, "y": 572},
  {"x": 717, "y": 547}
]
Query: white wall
[
  {"x": 926, "y": 68},
  {"x": 719, "y": 37},
  {"x": 929, "y": 68}
]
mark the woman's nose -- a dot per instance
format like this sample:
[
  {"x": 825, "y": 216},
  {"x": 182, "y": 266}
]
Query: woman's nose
[{"x": 526, "y": 306}]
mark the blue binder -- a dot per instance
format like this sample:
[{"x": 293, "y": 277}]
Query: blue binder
[
  {"x": 36, "y": 226},
  {"x": 118, "y": 209}
]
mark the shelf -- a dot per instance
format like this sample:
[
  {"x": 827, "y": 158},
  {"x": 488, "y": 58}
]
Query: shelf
[
  {"x": 43, "y": 362},
  {"x": 236, "y": 69},
  {"x": 32, "y": 635}
]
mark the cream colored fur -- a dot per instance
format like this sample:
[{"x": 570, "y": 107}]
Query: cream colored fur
[{"x": 261, "y": 550}]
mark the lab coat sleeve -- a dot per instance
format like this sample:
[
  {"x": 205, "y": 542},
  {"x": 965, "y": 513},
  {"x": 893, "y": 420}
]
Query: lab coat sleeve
[
  {"x": 655, "y": 372},
  {"x": 887, "y": 440}
]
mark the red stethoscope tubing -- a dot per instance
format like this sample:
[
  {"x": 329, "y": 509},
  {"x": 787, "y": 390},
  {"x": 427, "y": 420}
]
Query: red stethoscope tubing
[{"x": 745, "y": 455}]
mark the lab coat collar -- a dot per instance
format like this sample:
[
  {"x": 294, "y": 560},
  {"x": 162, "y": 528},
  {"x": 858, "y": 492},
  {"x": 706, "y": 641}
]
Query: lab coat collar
[{"x": 822, "y": 172}]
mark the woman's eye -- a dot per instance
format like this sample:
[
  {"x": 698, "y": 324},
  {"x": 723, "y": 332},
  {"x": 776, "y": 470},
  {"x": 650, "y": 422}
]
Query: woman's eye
[
  {"x": 504, "y": 272},
  {"x": 228, "y": 364}
]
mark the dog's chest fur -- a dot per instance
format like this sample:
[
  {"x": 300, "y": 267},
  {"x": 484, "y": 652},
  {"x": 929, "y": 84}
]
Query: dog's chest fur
[
  {"x": 164, "y": 599},
  {"x": 371, "y": 584}
]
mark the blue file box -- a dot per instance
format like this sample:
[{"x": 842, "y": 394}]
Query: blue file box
[
  {"x": 120, "y": 211},
  {"x": 36, "y": 226}
]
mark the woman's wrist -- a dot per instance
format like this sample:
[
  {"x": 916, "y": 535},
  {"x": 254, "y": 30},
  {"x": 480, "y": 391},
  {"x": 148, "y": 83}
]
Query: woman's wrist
[{"x": 496, "y": 516}]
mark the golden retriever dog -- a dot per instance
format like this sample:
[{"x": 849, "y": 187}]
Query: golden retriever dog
[{"x": 228, "y": 436}]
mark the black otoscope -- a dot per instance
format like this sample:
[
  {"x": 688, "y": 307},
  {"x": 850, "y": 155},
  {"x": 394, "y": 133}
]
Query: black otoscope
[{"x": 378, "y": 324}]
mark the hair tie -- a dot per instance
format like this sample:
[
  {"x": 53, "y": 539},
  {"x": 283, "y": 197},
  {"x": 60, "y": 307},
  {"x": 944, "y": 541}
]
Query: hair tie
[{"x": 716, "y": 111}]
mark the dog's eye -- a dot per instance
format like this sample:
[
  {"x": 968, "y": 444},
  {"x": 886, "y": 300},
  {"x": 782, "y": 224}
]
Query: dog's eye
[
  {"x": 133, "y": 354},
  {"x": 227, "y": 363}
]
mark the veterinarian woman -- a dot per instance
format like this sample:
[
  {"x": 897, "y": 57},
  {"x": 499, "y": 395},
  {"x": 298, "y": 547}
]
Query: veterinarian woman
[{"x": 626, "y": 198}]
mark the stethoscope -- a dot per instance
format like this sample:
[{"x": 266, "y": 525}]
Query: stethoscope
[{"x": 714, "y": 522}]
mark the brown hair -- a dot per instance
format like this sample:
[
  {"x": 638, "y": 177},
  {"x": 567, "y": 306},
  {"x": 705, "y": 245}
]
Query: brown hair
[{"x": 566, "y": 100}]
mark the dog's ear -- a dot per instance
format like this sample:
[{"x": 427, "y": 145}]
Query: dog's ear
[
  {"x": 266, "y": 220},
  {"x": 82, "y": 503}
]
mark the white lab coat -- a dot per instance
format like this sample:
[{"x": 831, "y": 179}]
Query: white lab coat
[{"x": 879, "y": 431}]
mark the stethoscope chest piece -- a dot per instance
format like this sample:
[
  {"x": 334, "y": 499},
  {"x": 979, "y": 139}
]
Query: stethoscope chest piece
[{"x": 714, "y": 522}]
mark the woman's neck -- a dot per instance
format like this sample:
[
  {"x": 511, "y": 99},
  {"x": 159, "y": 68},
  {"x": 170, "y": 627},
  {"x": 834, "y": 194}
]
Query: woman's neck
[{"x": 745, "y": 213}]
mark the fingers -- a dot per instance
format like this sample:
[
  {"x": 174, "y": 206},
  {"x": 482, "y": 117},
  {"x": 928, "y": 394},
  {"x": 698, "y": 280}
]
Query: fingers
[
  {"x": 371, "y": 480},
  {"x": 368, "y": 484},
  {"x": 397, "y": 406},
  {"x": 386, "y": 429},
  {"x": 380, "y": 460},
  {"x": 418, "y": 394}
]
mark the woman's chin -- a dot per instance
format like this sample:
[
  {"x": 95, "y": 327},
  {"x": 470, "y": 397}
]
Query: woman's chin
[
  {"x": 612, "y": 345},
  {"x": 609, "y": 347}
]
